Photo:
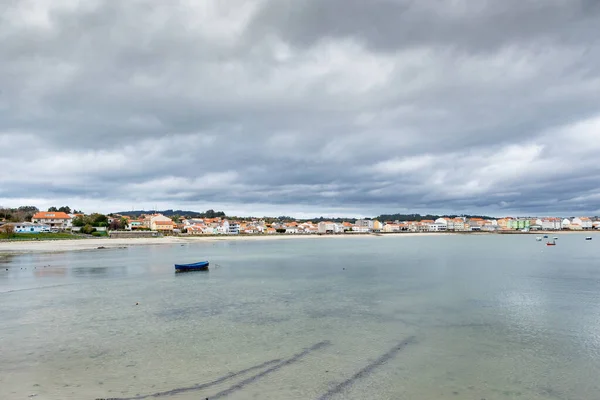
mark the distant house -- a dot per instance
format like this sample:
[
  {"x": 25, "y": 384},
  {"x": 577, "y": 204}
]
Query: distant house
[
  {"x": 55, "y": 219},
  {"x": 365, "y": 223},
  {"x": 390, "y": 228},
  {"x": 377, "y": 226},
  {"x": 584, "y": 222},
  {"x": 234, "y": 228},
  {"x": 346, "y": 226},
  {"x": 436, "y": 227},
  {"x": 326, "y": 227},
  {"x": 458, "y": 224},
  {"x": 30, "y": 227},
  {"x": 159, "y": 222},
  {"x": 136, "y": 224},
  {"x": 444, "y": 221},
  {"x": 549, "y": 223}
]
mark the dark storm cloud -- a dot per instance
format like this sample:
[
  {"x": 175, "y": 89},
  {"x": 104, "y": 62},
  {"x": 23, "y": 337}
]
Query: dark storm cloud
[
  {"x": 343, "y": 106},
  {"x": 387, "y": 25}
]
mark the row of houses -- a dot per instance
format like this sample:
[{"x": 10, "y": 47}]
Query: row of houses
[
  {"x": 224, "y": 226},
  {"x": 52, "y": 221}
]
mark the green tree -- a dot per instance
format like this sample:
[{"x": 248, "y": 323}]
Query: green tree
[
  {"x": 88, "y": 229},
  {"x": 99, "y": 219},
  {"x": 118, "y": 224},
  {"x": 52, "y": 209},
  {"x": 79, "y": 221},
  {"x": 65, "y": 209}
]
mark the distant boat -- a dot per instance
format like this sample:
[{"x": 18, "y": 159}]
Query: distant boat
[
  {"x": 545, "y": 236},
  {"x": 539, "y": 238},
  {"x": 555, "y": 237},
  {"x": 588, "y": 238},
  {"x": 552, "y": 243},
  {"x": 199, "y": 266}
]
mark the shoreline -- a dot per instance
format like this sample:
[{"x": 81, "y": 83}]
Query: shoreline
[{"x": 65, "y": 245}]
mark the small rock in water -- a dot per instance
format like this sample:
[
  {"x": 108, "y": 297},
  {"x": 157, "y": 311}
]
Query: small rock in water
[{"x": 137, "y": 304}]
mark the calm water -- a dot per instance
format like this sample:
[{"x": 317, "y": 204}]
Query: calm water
[{"x": 420, "y": 318}]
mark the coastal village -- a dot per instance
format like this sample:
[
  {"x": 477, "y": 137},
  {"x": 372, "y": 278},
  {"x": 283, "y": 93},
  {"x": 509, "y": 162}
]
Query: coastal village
[{"x": 157, "y": 224}]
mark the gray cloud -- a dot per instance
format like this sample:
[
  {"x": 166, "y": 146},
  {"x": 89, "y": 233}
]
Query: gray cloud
[{"x": 308, "y": 107}]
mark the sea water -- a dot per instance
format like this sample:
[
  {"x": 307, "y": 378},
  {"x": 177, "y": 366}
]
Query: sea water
[{"x": 414, "y": 317}]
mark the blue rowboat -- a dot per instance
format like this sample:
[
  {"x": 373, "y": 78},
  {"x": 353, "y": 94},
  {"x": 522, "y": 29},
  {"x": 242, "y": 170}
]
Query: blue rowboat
[{"x": 199, "y": 266}]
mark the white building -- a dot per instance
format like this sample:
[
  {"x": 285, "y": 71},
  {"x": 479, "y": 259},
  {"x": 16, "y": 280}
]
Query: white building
[
  {"x": 30, "y": 227},
  {"x": 367, "y": 223},
  {"x": 326, "y": 227},
  {"x": 584, "y": 222},
  {"x": 389, "y": 228},
  {"x": 444, "y": 221},
  {"x": 549, "y": 224},
  {"x": 56, "y": 220},
  {"x": 223, "y": 228},
  {"x": 437, "y": 227},
  {"x": 234, "y": 229},
  {"x": 159, "y": 222}
]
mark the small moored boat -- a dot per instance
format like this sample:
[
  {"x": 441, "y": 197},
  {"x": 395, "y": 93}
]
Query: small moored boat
[
  {"x": 539, "y": 238},
  {"x": 199, "y": 266},
  {"x": 555, "y": 237},
  {"x": 545, "y": 236},
  {"x": 552, "y": 243},
  {"x": 588, "y": 238}
]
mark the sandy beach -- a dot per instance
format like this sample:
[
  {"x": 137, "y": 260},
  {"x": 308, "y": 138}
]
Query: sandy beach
[{"x": 53, "y": 246}]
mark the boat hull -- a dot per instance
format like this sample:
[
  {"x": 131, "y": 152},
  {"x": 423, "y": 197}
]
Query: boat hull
[{"x": 201, "y": 266}]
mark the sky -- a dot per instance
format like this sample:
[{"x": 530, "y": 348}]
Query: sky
[{"x": 303, "y": 107}]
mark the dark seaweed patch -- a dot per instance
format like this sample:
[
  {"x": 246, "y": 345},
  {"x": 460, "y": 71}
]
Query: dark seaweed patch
[
  {"x": 200, "y": 386},
  {"x": 367, "y": 370},
  {"x": 284, "y": 363}
]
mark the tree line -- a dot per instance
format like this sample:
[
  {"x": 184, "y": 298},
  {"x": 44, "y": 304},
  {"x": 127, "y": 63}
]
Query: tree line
[
  {"x": 19, "y": 214},
  {"x": 65, "y": 209},
  {"x": 419, "y": 217}
]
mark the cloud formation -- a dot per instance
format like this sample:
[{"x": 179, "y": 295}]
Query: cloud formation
[{"x": 302, "y": 107}]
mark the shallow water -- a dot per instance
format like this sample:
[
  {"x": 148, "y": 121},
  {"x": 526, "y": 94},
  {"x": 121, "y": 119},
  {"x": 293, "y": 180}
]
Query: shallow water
[{"x": 436, "y": 317}]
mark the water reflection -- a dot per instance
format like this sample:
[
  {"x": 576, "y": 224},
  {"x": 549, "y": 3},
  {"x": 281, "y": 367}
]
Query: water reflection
[
  {"x": 112, "y": 272},
  {"x": 487, "y": 325}
]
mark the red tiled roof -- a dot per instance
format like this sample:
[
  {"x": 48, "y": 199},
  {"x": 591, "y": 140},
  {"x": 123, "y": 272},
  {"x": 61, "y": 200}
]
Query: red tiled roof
[{"x": 51, "y": 215}]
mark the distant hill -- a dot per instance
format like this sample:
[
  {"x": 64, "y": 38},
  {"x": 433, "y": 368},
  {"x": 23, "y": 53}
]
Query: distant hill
[{"x": 170, "y": 213}]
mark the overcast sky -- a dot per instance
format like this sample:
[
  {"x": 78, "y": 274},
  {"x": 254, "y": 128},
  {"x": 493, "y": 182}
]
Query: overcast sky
[{"x": 302, "y": 107}]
